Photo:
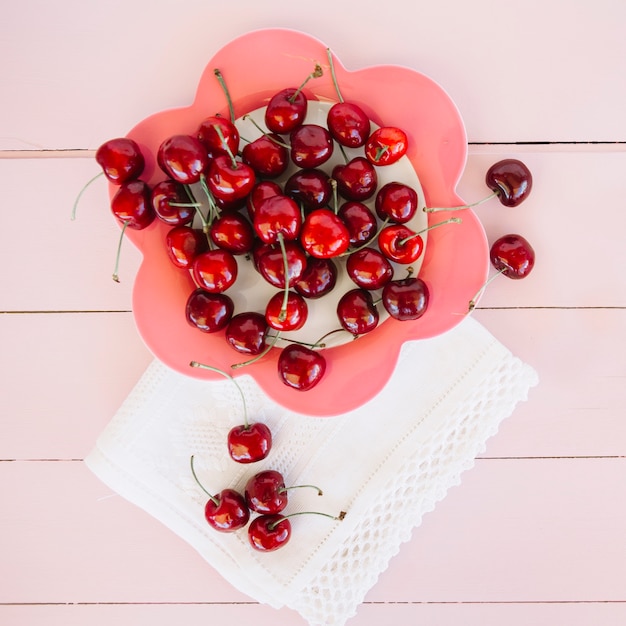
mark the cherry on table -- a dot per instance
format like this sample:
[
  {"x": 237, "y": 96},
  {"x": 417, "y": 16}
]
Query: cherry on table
[
  {"x": 226, "y": 511},
  {"x": 513, "y": 256}
]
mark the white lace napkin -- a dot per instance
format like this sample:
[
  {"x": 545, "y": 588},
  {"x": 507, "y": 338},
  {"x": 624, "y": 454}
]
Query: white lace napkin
[{"x": 402, "y": 450}]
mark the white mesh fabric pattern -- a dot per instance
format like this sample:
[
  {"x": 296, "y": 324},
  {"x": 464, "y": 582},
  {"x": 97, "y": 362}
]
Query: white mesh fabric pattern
[{"x": 447, "y": 396}]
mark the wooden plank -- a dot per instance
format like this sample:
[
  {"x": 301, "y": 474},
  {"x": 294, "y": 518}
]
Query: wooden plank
[
  {"x": 513, "y": 614},
  {"x": 542, "y": 530},
  {"x": 554, "y": 87}
]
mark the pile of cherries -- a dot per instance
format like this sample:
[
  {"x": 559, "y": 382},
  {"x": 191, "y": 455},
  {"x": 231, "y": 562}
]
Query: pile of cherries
[
  {"x": 265, "y": 492},
  {"x": 293, "y": 233}
]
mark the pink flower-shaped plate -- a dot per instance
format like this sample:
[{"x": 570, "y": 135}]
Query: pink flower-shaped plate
[{"x": 255, "y": 66}]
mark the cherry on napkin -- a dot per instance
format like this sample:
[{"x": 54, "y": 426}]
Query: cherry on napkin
[{"x": 446, "y": 397}]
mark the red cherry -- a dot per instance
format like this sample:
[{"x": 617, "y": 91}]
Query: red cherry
[
  {"x": 132, "y": 204},
  {"x": 277, "y": 215},
  {"x": 400, "y": 244},
  {"x": 230, "y": 180},
  {"x": 512, "y": 256},
  {"x": 356, "y": 180},
  {"x": 183, "y": 158},
  {"x": 318, "y": 279},
  {"x": 396, "y": 202},
  {"x": 357, "y": 312},
  {"x": 348, "y": 124},
  {"x": 121, "y": 160},
  {"x": 369, "y": 268},
  {"x": 208, "y": 312},
  {"x": 249, "y": 443},
  {"x": 226, "y": 511},
  {"x": 324, "y": 235},
  {"x": 215, "y": 270},
  {"x": 359, "y": 220},
  {"x": 386, "y": 145},
  {"x": 310, "y": 188},
  {"x": 267, "y": 156},
  {"x": 271, "y": 264},
  {"x": 266, "y": 492},
  {"x": 311, "y": 146},
  {"x": 232, "y": 232},
  {"x": 184, "y": 244},
  {"x": 246, "y": 333},
  {"x": 167, "y": 196},
  {"x": 300, "y": 367},
  {"x": 511, "y": 180},
  {"x": 260, "y": 191},
  {"x": 218, "y": 142},
  {"x": 286, "y": 314},
  {"x": 406, "y": 299},
  {"x": 267, "y": 533}
]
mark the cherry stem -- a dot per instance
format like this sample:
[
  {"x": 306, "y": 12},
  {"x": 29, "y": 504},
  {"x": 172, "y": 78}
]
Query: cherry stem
[
  {"x": 268, "y": 347},
  {"x": 333, "y": 184},
  {"x": 193, "y": 471},
  {"x": 222, "y": 83},
  {"x": 282, "y": 316},
  {"x": 320, "y": 342},
  {"x": 319, "y": 491},
  {"x": 332, "y": 73},
  {"x": 226, "y": 375},
  {"x": 316, "y": 73},
  {"x": 461, "y": 207},
  {"x": 472, "y": 302},
  {"x": 80, "y": 193},
  {"x": 265, "y": 133},
  {"x": 452, "y": 220},
  {"x": 369, "y": 241},
  {"x": 339, "y": 517},
  {"x": 300, "y": 343},
  {"x": 116, "y": 277},
  {"x": 206, "y": 225},
  {"x": 220, "y": 134}
]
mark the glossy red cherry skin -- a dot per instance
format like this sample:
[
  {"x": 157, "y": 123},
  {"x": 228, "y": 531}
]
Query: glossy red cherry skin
[
  {"x": 359, "y": 220},
  {"x": 183, "y": 158},
  {"x": 230, "y": 181},
  {"x": 164, "y": 194},
  {"x": 277, "y": 214},
  {"x": 261, "y": 190},
  {"x": 267, "y": 533},
  {"x": 265, "y": 492},
  {"x": 232, "y": 232},
  {"x": 132, "y": 204},
  {"x": 249, "y": 444},
  {"x": 400, "y": 244},
  {"x": 210, "y": 138},
  {"x": 300, "y": 367},
  {"x": 215, "y": 270},
  {"x": 513, "y": 256},
  {"x": 121, "y": 160},
  {"x": 267, "y": 156},
  {"x": 230, "y": 513},
  {"x": 311, "y": 145},
  {"x": 285, "y": 111},
  {"x": 397, "y": 202},
  {"x": 296, "y": 312},
  {"x": 246, "y": 333},
  {"x": 386, "y": 145},
  {"x": 310, "y": 188},
  {"x": 318, "y": 279},
  {"x": 511, "y": 180},
  {"x": 183, "y": 244},
  {"x": 356, "y": 180},
  {"x": 369, "y": 268},
  {"x": 324, "y": 235},
  {"x": 406, "y": 299},
  {"x": 348, "y": 124},
  {"x": 270, "y": 264},
  {"x": 208, "y": 312},
  {"x": 357, "y": 312}
]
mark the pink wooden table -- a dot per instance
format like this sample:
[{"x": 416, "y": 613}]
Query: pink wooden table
[{"x": 535, "y": 533}]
